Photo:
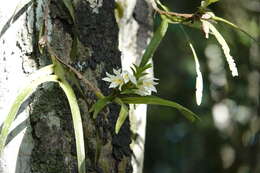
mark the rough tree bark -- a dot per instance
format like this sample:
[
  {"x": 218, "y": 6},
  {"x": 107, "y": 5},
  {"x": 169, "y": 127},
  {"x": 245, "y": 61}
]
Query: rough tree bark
[{"x": 42, "y": 137}]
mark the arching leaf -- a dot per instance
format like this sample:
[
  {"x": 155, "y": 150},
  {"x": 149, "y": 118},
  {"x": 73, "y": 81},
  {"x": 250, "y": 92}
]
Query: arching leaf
[
  {"x": 159, "y": 101},
  {"x": 25, "y": 93},
  {"x": 77, "y": 124}
]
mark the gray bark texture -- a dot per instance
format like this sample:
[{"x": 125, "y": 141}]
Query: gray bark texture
[{"x": 42, "y": 137}]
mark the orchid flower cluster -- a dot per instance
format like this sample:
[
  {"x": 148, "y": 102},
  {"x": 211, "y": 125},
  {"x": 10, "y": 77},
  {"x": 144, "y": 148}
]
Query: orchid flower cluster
[{"x": 129, "y": 83}]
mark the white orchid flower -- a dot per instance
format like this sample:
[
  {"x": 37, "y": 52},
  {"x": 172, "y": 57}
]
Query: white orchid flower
[
  {"x": 116, "y": 80},
  {"x": 117, "y": 72},
  {"x": 146, "y": 86},
  {"x": 128, "y": 77},
  {"x": 142, "y": 91}
]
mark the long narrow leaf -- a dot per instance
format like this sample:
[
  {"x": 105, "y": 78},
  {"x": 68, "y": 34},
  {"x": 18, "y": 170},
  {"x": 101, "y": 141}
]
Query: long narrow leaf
[
  {"x": 77, "y": 124},
  {"x": 226, "y": 50},
  {"x": 47, "y": 70},
  {"x": 159, "y": 101},
  {"x": 199, "y": 80},
  {"x": 25, "y": 93},
  {"x": 216, "y": 18},
  {"x": 122, "y": 115},
  {"x": 157, "y": 38},
  {"x": 162, "y": 6}
]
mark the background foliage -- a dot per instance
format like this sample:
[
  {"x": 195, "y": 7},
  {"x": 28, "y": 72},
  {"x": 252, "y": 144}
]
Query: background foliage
[{"x": 227, "y": 139}]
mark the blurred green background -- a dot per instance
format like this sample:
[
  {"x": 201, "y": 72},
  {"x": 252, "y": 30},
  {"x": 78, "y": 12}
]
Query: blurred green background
[{"x": 227, "y": 139}]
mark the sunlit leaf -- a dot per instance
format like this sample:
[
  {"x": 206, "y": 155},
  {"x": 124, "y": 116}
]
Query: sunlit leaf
[
  {"x": 225, "y": 48},
  {"x": 75, "y": 112},
  {"x": 122, "y": 115},
  {"x": 77, "y": 124},
  {"x": 199, "y": 80},
  {"x": 25, "y": 93},
  {"x": 159, "y": 101},
  {"x": 99, "y": 105},
  {"x": 47, "y": 70}
]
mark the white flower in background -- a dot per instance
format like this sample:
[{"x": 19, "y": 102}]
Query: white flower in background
[
  {"x": 146, "y": 86},
  {"x": 116, "y": 80},
  {"x": 128, "y": 77}
]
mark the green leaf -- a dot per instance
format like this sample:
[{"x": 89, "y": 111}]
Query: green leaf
[
  {"x": 156, "y": 40},
  {"x": 99, "y": 105},
  {"x": 128, "y": 91},
  {"x": 162, "y": 6},
  {"x": 219, "y": 19},
  {"x": 147, "y": 66},
  {"x": 25, "y": 93},
  {"x": 140, "y": 71},
  {"x": 133, "y": 70},
  {"x": 69, "y": 6},
  {"x": 159, "y": 101},
  {"x": 206, "y": 3},
  {"x": 122, "y": 115},
  {"x": 77, "y": 124}
]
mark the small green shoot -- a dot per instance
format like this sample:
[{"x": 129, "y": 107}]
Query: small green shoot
[{"x": 122, "y": 115}]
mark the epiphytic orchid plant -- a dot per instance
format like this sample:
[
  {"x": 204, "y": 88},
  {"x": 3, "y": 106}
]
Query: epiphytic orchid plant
[{"x": 132, "y": 87}]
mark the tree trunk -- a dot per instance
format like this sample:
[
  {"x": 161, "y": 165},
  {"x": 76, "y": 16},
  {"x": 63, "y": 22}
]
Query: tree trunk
[
  {"x": 42, "y": 137},
  {"x": 135, "y": 33}
]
